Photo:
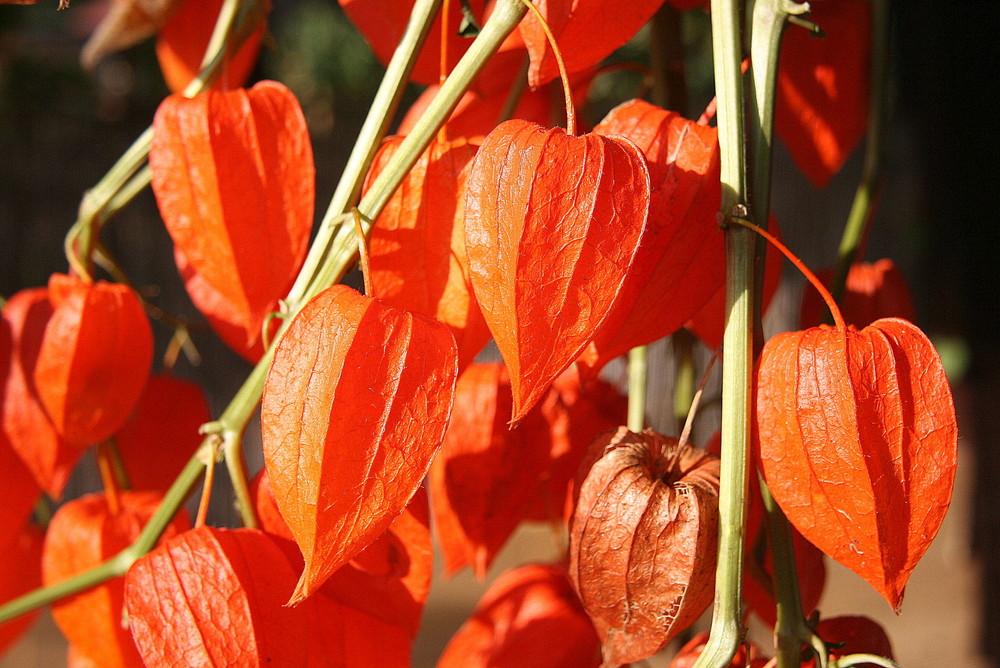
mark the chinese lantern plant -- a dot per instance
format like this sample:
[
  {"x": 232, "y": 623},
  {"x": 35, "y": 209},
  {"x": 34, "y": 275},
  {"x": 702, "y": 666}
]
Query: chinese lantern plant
[
  {"x": 561, "y": 245},
  {"x": 94, "y": 359},
  {"x": 858, "y": 442},
  {"x": 643, "y": 541}
]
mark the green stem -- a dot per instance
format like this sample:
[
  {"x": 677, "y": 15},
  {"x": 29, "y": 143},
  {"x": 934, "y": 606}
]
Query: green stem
[
  {"x": 231, "y": 424},
  {"x": 686, "y": 379},
  {"x": 767, "y": 26},
  {"x": 638, "y": 372},
  {"x": 863, "y": 659},
  {"x": 504, "y": 19},
  {"x": 727, "y": 624},
  {"x": 117, "y": 565},
  {"x": 791, "y": 630},
  {"x": 862, "y": 209},
  {"x": 127, "y": 193},
  {"x": 376, "y": 124}
]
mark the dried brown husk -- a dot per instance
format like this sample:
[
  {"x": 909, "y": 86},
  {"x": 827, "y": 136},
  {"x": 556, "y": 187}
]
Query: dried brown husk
[{"x": 644, "y": 540}]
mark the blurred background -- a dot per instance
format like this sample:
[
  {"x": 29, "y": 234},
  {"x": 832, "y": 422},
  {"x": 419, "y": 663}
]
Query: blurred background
[{"x": 61, "y": 128}]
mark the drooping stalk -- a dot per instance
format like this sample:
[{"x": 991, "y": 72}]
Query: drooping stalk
[
  {"x": 727, "y": 625},
  {"x": 862, "y": 209}
]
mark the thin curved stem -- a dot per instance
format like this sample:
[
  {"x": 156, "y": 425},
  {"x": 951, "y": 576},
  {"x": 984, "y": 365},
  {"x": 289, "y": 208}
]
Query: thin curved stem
[
  {"x": 799, "y": 264},
  {"x": 563, "y": 74}
]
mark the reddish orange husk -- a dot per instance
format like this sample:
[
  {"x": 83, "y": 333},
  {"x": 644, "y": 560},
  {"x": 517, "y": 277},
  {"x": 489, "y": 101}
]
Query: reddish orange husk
[
  {"x": 184, "y": 38},
  {"x": 355, "y": 406},
  {"x": 858, "y": 443},
  {"x": 234, "y": 180},
  {"x": 94, "y": 359},
  {"x": 872, "y": 291},
  {"x": 643, "y": 541},
  {"x": 553, "y": 227},
  {"x": 417, "y": 244},
  {"x": 386, "y": 583},
  {"x": 18, "y": 494},
  {"x": 821, "y": 109},
  {"x": 213, "y": 597},
  {"x": 222, "y": 315},
  {"x": 161, "y": 435},
  {"x": 681, "y": 262},
  {"x": 530, "y": 616},
  {"x": 486, "y": 473},
  {"x": 24, "y": 424},
  {"x": 586, "y": 31},
  {"x": 83, "y": 534},
  {"x": 584, "y": 411}
]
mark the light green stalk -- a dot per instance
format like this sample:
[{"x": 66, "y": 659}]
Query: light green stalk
[{"x": 727, "y": 623}]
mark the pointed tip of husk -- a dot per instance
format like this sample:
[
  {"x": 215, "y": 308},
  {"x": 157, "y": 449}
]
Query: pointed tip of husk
[{"x": 304, "y": 588}]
